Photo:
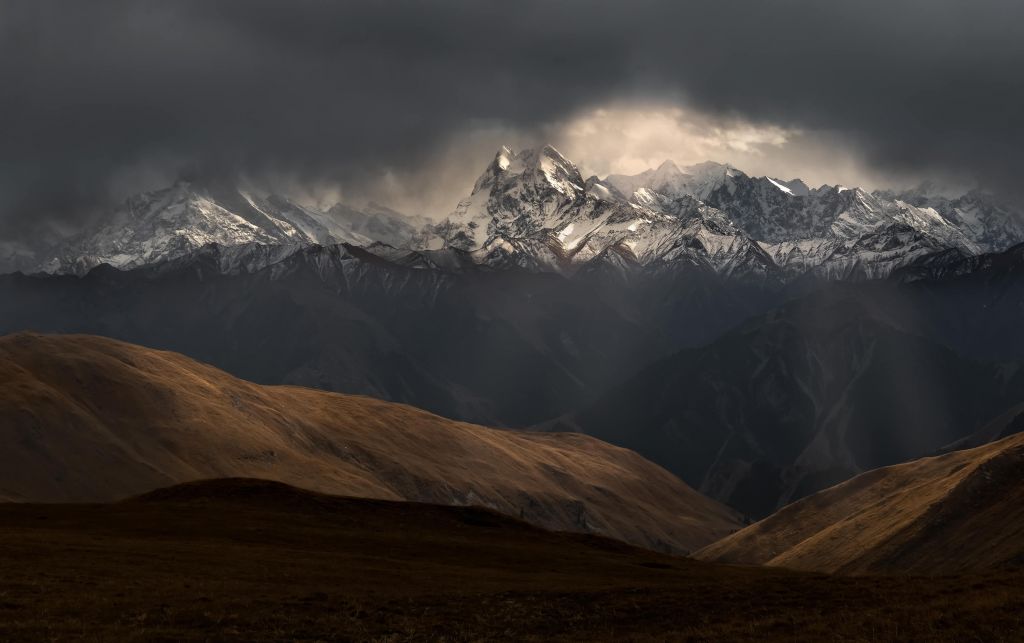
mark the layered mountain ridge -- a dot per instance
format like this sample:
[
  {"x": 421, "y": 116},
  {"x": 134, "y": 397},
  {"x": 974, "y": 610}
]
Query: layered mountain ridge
[
  {"x": 686, "y": 319},
  {"x": 534, "y": 210},
  {"x": 808, "y": 395},
  {"x": 167, "y": 224}
]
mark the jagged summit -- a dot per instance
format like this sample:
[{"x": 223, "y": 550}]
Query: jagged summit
[
  {"x": 520, "y": 194},
  {"x": 671, "y": 181},
  {"x": 668, "y": 166},
  {"x": 794, "y": 187},
  {"x": 542, "y": 166},
  {"x": 546, "y": 159},
  {"x": 537, "y": 198}
]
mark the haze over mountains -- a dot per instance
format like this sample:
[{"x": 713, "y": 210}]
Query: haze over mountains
[
  {"x": 726, "y": 346},
  {"x": 817, "y": 390},
  {"x": 534, "y": 209},
  {"x": 823, "y": 331}
]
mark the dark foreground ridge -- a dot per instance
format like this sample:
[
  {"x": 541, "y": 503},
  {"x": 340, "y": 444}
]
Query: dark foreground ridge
[
  {"x": 250, "y": 560},
  {"x": 253, "y": 494}
]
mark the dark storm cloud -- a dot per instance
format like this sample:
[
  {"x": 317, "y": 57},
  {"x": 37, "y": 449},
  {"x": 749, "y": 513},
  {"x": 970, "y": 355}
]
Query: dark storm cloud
[{"x": 89, "y": 90}]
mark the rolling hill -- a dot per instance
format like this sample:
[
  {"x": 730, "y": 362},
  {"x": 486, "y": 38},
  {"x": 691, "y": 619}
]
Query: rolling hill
[
  {"x": 93, "y": 419},
  {"x": 959, "y": 512}
]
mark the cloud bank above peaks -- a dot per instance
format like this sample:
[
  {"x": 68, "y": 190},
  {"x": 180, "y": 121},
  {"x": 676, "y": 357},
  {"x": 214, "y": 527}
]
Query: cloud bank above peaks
[{"x": 104, "y": 95}]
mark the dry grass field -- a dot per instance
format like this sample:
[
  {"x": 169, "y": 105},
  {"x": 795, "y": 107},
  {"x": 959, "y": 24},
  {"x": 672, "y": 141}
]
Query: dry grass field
[{"x": 955, "y": 513}]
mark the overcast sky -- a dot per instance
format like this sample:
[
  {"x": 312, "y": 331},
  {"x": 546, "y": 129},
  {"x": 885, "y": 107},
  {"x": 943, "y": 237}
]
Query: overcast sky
[{"x": 406, "y": 101}]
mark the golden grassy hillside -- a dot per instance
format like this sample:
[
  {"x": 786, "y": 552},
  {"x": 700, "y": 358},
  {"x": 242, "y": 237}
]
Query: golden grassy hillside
[
  {"x": 93, "y": 419},
  {"x": 959, "y": 512}
]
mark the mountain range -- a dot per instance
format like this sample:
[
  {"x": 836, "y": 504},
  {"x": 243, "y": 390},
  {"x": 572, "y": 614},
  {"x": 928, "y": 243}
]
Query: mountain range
[
  {"x": 760, "y": 338},
  {"x": 534, "y": 210},
  {"x": 165, "y": 224},
  {"x": 801, "y": 398}
]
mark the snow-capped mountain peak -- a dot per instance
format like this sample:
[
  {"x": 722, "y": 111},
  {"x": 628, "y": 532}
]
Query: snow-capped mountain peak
[
  {"x": 164, "y": 224},
  {"x": 542, "y": 168},
  {"x": 518, "y": 195},
  {"x": 533, "y": 209},
  {"x": 810, "y": 226},
  {"x": 795, "y": 187},
  {"x": 668, "y": 179},
  {"x": 503, "y": 158}
]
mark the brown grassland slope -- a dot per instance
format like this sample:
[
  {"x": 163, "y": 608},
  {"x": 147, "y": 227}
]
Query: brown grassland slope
[
  {"x": 963, "y": 511},
  {"x": 93, "y": 419},
  {"x": 256, "y": 561}
]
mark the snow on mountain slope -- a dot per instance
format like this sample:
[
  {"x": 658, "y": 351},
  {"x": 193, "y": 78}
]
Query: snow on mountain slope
[
  {"x": 697, "y": 181},
  {"x": 834, "y": 231},
  {"x": 379, "y": 223},
  {"x": 796, "y": 187},
  {"x": 667, "y": 179},
  {"x": 875, "y": 254},
  {"x": 523, "y": 194},
  {"x": 698, "y": 233},
  {"x": 749, "y": 224},
  {"x": 165, "y": 224},
  {"x": 533, "y": 210},
  {"x": 990, "y": 222},
  {"x": 160, "y": 225},
  {"x": 320, "y": 227},
  {"x": 773, "y": 210},
  {"x": 774, "y": 215}
]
